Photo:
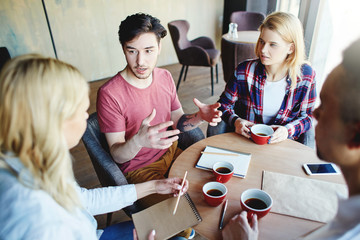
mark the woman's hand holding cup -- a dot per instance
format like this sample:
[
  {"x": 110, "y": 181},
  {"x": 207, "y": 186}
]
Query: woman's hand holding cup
[
  {"x": 261, "y": 133},
  {"x": 242, "y": 127}
]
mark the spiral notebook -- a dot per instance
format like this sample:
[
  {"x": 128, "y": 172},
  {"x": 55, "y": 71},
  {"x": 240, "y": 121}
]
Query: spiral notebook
[{"x": 160, "y": 217}]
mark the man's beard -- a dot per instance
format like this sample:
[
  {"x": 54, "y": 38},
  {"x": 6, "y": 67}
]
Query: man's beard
[{"x": 140, "y": 76}]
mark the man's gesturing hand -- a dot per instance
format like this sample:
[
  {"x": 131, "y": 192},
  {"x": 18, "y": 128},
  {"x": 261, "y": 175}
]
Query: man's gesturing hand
[
  {"x": 155, "y": 136},
  {"x": 209, "y": 112}
]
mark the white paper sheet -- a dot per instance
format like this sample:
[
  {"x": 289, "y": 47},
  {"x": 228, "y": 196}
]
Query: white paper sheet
[{"x": 240, "y": 161}]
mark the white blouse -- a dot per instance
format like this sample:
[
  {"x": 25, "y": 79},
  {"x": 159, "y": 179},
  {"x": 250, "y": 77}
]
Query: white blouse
[{"x": 274, "y": 93}]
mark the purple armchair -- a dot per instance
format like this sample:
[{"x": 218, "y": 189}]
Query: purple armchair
[
  {"x": 198, "y": 52},
  {"x": 233, "y": 54},
  {"x": 247, "y": 21}
]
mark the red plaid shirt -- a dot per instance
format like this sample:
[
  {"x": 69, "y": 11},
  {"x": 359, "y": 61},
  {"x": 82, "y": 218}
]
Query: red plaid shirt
[{"x": 243, "y": 97}]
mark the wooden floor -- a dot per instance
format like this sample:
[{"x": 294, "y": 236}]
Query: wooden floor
[{"x": 197, "y": 85}]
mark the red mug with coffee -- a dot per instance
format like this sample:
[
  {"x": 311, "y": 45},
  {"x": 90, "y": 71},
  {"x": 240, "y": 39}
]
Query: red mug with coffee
[
  {"x": 256, "y": 201},
  {"x": 261, "y": 133},
  {"x": 214, "y": 193},
  {"x": 223, "y": 171}
]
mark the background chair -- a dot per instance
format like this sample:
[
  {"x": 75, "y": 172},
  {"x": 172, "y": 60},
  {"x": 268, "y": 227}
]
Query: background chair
[
  {"x": 106, "y": 169},
  {"x": 4, "y": 56},
  {"x": 234, "y": 53},
  {"x": 198, "y": 52},
  {"x": 247, "y": 21}
]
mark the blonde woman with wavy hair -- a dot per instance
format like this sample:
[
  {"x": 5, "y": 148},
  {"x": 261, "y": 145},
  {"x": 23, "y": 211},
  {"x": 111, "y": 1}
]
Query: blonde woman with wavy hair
[
  {"x": 43, "y": 112},
  {"x": 276, "y": 89},
  {"x": 290, "y": 30},
  {"x": 34, "y": 105}
]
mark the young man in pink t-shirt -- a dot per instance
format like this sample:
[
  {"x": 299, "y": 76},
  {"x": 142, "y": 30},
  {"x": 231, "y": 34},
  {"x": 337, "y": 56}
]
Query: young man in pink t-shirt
[{"x": 137, "y": 105}]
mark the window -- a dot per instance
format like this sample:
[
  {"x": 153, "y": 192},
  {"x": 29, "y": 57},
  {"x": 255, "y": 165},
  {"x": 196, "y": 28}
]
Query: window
[
  {"x": 329, "y": 27},
  {"x": 337, "y": 26},
  {"x": 290, "y": 6}
]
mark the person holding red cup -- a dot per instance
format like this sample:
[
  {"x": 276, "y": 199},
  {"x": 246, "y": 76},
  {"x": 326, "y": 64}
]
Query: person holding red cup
[{"x": 256, "y": 201}]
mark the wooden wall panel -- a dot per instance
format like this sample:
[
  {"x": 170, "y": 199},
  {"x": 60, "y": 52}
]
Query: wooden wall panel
[
  {"x": 85, "y": 31},
  {"x": 23, "y": 28}
]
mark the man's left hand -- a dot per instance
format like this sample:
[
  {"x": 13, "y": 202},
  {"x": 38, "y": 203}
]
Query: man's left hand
[{"x": 209, "y": 113}]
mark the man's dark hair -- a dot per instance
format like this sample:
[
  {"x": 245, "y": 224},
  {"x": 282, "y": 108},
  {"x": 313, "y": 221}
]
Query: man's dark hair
[{"x": 139, "y": 23}]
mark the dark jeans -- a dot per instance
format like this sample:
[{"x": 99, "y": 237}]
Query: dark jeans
[
  {"x": 123, "y": 230},
  {"x": 307, "y": 138}
]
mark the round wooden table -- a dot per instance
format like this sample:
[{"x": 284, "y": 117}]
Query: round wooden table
[
  {"x": 286, "y": 157},
  {"x": 236, "y": 50}
]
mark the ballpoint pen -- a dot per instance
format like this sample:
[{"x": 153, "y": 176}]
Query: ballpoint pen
[{"x": 223, "y": 215}]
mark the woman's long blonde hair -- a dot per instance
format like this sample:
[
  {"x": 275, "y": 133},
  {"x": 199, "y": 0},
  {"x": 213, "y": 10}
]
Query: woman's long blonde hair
[
  {"x": 37, "y": 94},
  {"x": 290, "y": 29}
]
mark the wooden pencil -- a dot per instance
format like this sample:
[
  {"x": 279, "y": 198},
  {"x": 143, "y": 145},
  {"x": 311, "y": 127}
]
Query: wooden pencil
[
  {"x": 178, "y": 198},
  {"x": 222, "y": 154}
]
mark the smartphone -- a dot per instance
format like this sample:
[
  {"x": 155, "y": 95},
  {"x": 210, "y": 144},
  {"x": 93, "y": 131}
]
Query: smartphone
[{"x": 321, "y": 169}]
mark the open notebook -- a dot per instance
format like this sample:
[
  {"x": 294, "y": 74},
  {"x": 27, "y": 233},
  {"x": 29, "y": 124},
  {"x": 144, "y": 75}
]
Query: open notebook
[
  {"x": 160, "y": 217},
  {"x": 239, "y": 160}
]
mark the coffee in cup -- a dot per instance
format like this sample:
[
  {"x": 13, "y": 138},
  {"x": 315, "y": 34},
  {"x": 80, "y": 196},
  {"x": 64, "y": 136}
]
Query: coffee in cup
[
  {"x": 214, "y": 193},
  {"x": 223, "y": 171},
  {"x": 261, "y": 133},
  {"x": 256, "y": 201}
]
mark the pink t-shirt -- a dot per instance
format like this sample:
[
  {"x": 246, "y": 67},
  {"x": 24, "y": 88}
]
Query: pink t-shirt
[{"x": 123, "y": 107}]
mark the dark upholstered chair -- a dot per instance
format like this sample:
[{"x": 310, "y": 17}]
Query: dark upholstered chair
[
  {"x": 198, "y": 52},
  {"x": 106, "y": 169},
  {"x": 4, "y": 56},
  {"x": 247, "y": 21},
  {"x": 233, "y": 54}
]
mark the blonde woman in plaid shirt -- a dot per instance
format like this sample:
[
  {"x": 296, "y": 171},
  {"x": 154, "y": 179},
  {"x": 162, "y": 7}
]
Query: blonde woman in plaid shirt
[{"x": 277, "y": 88}]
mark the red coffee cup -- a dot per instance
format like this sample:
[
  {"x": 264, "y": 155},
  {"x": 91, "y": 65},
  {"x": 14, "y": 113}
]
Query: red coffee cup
[
  {"x": 256, "y": 201},
  {"x": 214, "y": 193},
  {"x": 223, "y": 171},
  {"x": 261, "y": 133}
]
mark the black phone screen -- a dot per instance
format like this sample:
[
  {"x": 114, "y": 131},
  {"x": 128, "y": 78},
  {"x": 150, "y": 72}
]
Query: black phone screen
[{"x": 321, "y": 168}]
